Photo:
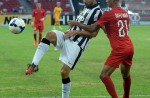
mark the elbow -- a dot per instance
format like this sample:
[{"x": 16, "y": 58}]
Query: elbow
[{"x": 94, "y": 35}]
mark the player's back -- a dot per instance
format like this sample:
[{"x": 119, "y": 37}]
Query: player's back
[{"x": 117, "y": 28}]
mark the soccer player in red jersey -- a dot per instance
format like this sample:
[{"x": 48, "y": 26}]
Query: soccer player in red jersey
[
  {"x": 38, "y": 16},
  {"x": 116, "y": 23}
]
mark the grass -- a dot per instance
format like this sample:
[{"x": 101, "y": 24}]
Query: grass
[{"x": 16, "y": 51}]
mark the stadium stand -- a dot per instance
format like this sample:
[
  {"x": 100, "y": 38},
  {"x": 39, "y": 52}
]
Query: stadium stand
[
  {"x": 9, "y": 5},
  {"x": 12, "y": 6},
  {"x": 139, "y": 6},
  {"x": 49, "y": 5}
]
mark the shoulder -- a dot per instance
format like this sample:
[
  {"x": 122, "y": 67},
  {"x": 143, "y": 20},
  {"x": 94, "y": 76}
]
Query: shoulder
[
  {"x": 43, "y": 10},
  {"x": 108, "y": 13}
]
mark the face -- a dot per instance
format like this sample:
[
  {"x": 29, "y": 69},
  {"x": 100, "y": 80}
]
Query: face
[
  {"x": 89, "y": 2},
  {"x": 58, "y": 4},
  {"x": 38, "y": 5}
]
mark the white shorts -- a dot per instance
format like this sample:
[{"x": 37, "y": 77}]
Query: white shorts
[{"x": 71, "y": 52}]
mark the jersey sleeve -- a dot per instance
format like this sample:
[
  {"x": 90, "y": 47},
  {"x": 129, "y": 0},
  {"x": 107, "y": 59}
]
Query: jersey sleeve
[{"x": 103, "y": 19}]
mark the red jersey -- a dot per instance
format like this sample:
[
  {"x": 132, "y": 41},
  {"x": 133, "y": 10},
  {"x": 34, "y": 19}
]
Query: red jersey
[
  {"x": 116, "y": 22},
  {"x": 38, "y": 14}
]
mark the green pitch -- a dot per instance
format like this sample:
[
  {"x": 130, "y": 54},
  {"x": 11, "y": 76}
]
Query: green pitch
[{"x": 16, "y": 51}]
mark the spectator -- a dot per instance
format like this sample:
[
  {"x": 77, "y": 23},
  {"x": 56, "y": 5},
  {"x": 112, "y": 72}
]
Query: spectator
[
  {"x": 1, "y": 12},
  {"x": 123, "y": 5}
]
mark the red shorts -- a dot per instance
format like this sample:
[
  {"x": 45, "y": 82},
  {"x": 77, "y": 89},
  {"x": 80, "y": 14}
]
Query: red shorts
[
  {"x": 39, "y": 27},
  {"x": 120, "y": 57}
]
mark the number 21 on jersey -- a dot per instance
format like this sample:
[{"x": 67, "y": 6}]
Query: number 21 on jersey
[{"x": 123, "y": 28}]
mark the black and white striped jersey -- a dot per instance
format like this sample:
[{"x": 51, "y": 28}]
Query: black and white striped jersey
[{"x": 88, "y": 16}]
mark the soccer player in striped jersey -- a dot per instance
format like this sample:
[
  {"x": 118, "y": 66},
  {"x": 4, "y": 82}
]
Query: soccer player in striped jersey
[
  {"x": 117, "y": 23},
  {"x": 72, "y": 48}
]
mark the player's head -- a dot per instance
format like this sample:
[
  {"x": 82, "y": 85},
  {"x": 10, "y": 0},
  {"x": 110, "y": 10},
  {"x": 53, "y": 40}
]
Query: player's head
[
  {"x": 89, "y": 2},
  {"x": 123, "y": 3},
  {"x": 38, "y": 5},
  {"x": 112, "y": 3},
  {"x": 58, "y": 4}
]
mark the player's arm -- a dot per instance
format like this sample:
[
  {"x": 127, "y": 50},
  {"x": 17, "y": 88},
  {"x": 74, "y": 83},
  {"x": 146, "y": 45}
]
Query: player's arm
[
  {"x": 91, "y": 28},
  {"x": 33, "y": 18},
  {"x": 32, "y": 21},
  {"x": 42, "y": 19},
  {"x": 82, "y": 33},
  {"x": 54, "y": 11}
]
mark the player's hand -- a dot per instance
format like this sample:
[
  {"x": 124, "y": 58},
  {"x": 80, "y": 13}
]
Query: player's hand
[
  {"x": 42, "y": 19},
  {"x": 69, "y": 34},
  {"x": 32, "y": 24},
  {"x": 72, "y": 22}
]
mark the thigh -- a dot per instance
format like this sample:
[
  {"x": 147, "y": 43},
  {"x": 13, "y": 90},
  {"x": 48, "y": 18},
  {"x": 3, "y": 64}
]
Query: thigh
[
  {"x": 125, "y": 70},
  {"x": 71, "y": 53},
  {"x": 41, "y": 28},
  {"x": 56, "y": 19},
  {"x": 129, "y": 56},
  {"x": 36, "y": 28},
  {"x": 60, "y": 39},
  {"x": 115, "y": 59}
]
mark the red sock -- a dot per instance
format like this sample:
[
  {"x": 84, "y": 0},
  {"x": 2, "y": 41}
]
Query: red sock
[
  {"x": 40, "y": 38},
  {"x": 110, "y": 86},
  {"x": 34, "y": 37},
  {"x": 127, "y": 85}
]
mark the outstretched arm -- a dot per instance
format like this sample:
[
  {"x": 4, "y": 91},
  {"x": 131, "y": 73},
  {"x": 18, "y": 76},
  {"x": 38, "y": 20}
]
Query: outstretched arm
[
  {"x": 82, "y": 33},
  {"x": 91, "y": 28}
]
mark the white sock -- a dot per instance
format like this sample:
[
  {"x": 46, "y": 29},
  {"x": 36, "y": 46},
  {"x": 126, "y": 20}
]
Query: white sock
[
  {"x": 66, "y": 90},
  {"x": 41, "y": 50}
]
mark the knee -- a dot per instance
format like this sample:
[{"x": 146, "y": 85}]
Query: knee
[
  {"x": 64, "y": 73},
  {"x": 101, "y": 76},
  {"x": 125, "y": 75},
  {"x": 65, "y": 70},
  {"x": 104, "y": 74},
  {"x": 51, "y": 36}
]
